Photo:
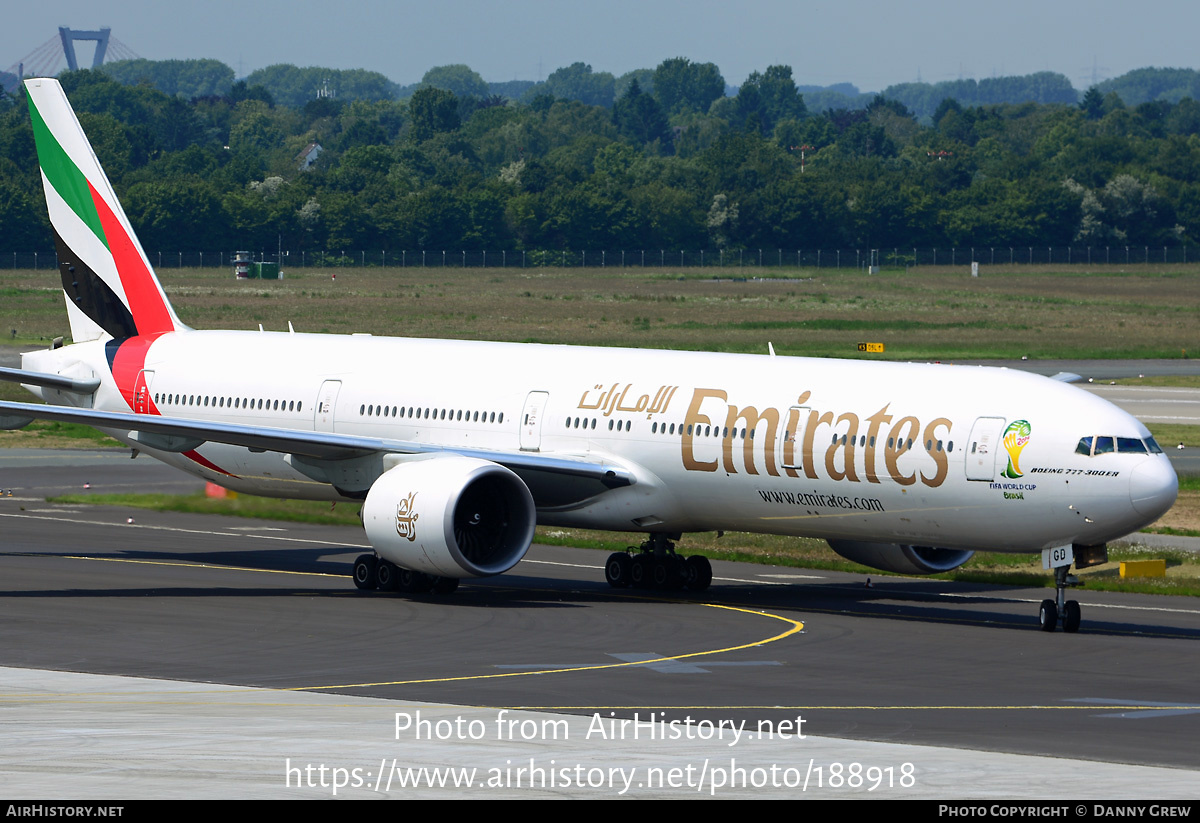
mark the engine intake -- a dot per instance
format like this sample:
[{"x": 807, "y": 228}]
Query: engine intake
[
  {"x": 899, "y": 558},
  {"x": 450, "y": 516}
]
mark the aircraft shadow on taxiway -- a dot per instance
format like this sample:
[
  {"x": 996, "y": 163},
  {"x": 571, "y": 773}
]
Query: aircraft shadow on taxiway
[{"x": 907, "y": 599}]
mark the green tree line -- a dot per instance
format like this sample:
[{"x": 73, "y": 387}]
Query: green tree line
[{"x": 656, "y": 158}]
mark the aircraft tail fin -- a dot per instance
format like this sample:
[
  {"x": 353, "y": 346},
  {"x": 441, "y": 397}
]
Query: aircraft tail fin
[{"x": 108, "y": 281}]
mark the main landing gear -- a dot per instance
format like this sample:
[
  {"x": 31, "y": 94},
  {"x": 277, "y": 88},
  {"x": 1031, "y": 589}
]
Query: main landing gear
[
  {"x": 371, "y": 572},
  {"x": 655, "y": 565},
  {"x": 1060, "y": 610}
]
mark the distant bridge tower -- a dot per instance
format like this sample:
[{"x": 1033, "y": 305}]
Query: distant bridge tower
[
  {"x": 69, "y": 36},
  {"x": 48, "y": 59}
]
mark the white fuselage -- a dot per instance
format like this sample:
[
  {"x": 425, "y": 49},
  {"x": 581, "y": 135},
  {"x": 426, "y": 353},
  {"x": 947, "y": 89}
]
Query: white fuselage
[{"x": 885, "y": 452}]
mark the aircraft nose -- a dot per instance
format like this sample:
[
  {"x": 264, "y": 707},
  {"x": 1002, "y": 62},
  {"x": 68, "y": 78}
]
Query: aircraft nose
[{"x": 1153, "y": 487}]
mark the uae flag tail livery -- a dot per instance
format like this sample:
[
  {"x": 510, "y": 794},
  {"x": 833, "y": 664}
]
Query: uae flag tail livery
[{"x": 109, "y": 284}]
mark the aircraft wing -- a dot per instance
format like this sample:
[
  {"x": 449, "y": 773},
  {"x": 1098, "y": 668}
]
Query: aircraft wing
[{"x": 553, "y": 480}]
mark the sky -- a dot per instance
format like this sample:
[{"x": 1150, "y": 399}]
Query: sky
[{"x": 870, "y": 44}]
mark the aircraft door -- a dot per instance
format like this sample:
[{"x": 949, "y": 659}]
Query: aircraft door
[
  {"x": 982, "y": 448},
  {"x": 790, "y": 454},
  {"x": 531, "y": 420},
  {"x": 141, "y": 392},
  {"x": 326, "y": 405}
]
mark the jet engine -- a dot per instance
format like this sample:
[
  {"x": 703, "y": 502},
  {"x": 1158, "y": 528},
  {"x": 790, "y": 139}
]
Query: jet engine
[
  {"x": 450, "y": 516},
  {"x": 901, "y": 559}
]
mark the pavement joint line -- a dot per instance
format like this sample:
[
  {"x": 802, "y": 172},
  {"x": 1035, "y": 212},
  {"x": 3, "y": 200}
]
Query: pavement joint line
[
  {"x": 90, "y": 698},
  {"x": 153, "y": 527}
]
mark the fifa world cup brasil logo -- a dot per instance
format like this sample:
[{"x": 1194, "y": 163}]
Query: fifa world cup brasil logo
[{"x": 1016, "y": 436}]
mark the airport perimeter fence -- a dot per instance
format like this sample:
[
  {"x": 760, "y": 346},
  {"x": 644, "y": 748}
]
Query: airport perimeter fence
[{"x": 888, "y": 258}]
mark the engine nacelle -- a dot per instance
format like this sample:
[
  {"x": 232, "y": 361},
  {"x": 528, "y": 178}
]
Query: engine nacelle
[
  {"x": 901, "y": 559},
  {"x": 450, "y": 516}
]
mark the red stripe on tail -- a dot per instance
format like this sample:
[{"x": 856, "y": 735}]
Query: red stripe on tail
[{"x": 146, "y": 302}]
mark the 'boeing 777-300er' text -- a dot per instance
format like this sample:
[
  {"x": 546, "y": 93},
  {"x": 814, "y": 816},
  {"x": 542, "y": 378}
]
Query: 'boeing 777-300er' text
[{"x": 457, "y": 449}]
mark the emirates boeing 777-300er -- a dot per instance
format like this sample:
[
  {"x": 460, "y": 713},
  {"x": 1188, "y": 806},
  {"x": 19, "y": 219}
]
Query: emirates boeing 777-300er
[{"x": 457, "y": 449}]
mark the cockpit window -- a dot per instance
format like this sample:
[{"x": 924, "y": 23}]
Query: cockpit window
[
  {"x": 1125, "y": 445},
  {"x": 1131, "y": 444}
]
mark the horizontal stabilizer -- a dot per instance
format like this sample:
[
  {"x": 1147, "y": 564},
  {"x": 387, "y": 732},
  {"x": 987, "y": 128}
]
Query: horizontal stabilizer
[{"x": 49, "y": 381}]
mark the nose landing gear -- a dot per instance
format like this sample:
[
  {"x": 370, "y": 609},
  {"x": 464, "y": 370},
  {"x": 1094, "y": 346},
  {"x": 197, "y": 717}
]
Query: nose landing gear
[
  {"x": 1068, "y": 610},
  {"x": 1060, "y": 610}
]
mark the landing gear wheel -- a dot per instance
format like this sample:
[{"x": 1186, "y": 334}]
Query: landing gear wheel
[
  {"x": 660, "y": 572},
  {"x": 699, "y": 573},
  {"x": 617, "y": 570},
  {"x": 445, "y": 585},
  {"x": 1048, "y": 616},
  {"x": 413, "y": 582},
  {"x": 385, "y": 576},
  {"x": 1071, "y": 616},
  {"x": 364, "y": 572},
  {"x": 639, "y": 571}
]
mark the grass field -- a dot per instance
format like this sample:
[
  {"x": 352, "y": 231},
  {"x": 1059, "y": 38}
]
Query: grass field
[{"x": 925, "y": 314}]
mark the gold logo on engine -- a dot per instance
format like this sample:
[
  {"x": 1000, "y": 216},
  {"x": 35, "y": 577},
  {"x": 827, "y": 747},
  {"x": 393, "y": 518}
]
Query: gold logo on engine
[{"x": 406, "y": 518}]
